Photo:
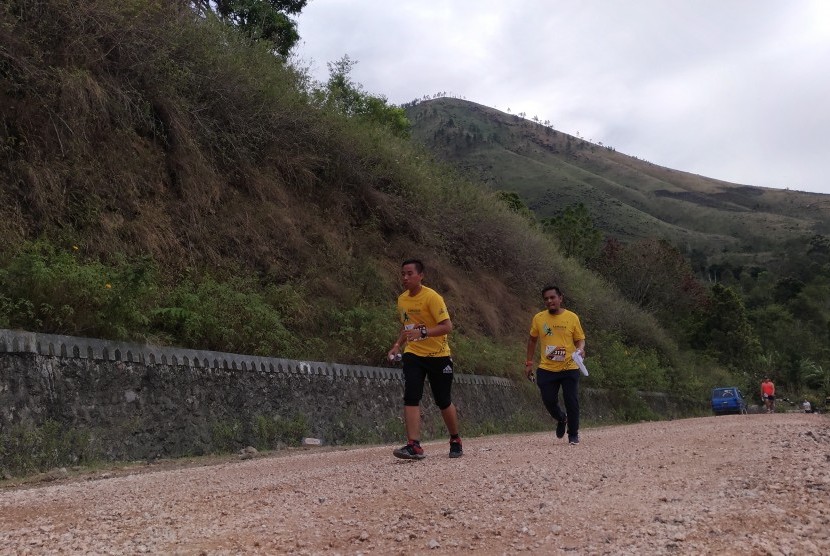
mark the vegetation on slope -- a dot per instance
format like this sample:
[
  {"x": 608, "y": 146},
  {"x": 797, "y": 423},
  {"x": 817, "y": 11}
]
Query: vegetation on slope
[
  {"x": 629, "y": 198},
  {"x": 739, "y": 273},
  {"x": 166, "y": 179}
]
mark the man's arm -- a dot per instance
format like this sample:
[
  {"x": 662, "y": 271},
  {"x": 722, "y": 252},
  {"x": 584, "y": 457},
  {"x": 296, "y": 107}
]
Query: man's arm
[
  {"x": 396, "y": 348},
  {"x": 580, "y": 347},
  {"x": 419, "y": 333},
  {"x": 531, "y": 351}
]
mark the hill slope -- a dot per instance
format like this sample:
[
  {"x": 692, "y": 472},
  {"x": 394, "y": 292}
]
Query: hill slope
[
  {"x": 627, "y": 197},
  {"x": 163, "y": 179}
]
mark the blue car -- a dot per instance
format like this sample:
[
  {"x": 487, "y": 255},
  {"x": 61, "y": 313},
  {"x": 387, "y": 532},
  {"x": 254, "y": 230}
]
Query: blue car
[{"x": 727, "y": 401}]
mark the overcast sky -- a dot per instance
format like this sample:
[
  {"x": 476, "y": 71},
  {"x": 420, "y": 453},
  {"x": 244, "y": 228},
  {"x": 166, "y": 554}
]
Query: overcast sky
[{"x": 737, "y": 90}]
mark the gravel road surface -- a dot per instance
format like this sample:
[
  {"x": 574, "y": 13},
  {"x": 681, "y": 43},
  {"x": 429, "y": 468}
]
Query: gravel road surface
[{"x": 748, "y": 484}]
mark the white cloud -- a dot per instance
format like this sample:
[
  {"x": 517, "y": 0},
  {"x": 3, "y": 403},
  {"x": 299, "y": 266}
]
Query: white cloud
[{"x": 729, "y": 89}]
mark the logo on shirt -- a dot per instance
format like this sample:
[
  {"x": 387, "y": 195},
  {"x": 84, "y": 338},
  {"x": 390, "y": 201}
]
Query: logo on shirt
[
  {"x": 405, "y": 316},
  {"x": 548, "y": 331}
]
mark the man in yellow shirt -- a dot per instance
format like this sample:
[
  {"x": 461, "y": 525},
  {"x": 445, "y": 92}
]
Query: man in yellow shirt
[
  {"x": 561, "y": 335},
  {"x": 426, "y": 324}
]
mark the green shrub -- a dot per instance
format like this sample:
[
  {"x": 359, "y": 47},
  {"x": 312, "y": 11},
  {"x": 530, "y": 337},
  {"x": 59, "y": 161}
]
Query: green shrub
[
  {"x": 634, "y": 409},
  {"x": 26, "y": 450},
  {"x": 271, "y": 432},
  {"x": 360, "y": 334},
  {"x": 636, "y": 413},
  {"x": 485, "y": 356},
  {"x": 616, "y": 365},
  {"x": 226, "y": 436},
  {"x": 55, "y": 291},
  {"x": 230, "y": 316}
]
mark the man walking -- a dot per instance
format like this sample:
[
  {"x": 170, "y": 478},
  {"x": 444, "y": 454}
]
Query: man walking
[
  {"x": 561, "y": 335},
  {"x": 426, "y": 324}
]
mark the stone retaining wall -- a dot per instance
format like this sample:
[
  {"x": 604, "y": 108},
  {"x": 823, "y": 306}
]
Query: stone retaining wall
[{"x": 139, "y": 401}]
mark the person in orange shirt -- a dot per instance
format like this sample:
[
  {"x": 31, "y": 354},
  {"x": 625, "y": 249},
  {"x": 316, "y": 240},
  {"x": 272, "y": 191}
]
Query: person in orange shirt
[{"x": 768, "y": 395}]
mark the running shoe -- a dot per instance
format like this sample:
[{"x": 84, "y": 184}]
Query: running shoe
[
  {"x": 560, "y": 427},
  {"x": 573, "y": 439},
  {"x": 455, "y": 449},
  {"x": 410, "y": 451}
]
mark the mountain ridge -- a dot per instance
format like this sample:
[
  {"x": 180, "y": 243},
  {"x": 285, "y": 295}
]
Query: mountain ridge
[{"x": 627, "y": 197}]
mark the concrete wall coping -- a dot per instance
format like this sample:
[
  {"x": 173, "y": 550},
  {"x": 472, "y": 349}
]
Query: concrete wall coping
[{"x": 53, "y": 345}]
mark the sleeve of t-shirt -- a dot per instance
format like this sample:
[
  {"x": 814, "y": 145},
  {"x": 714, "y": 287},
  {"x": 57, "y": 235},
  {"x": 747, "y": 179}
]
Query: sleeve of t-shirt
[
  {"x": 534, "y": 329},
  {"x": 438, "y": 309},
  {"x": 579, "y": 334}
]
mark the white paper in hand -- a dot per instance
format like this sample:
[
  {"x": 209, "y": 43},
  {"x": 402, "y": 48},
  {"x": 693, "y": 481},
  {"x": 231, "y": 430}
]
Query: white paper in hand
[{"x": 578, "y": 360}]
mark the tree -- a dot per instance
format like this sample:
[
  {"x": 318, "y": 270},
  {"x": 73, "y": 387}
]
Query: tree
[
  {"x": 341, "y": 94},
  {"x": 726, "y": 333},
  {"x": 575, "y": 230},
  {"x": 787, "y": 288},
  {"x": 515, "y": 204},
  {"x": 654, "y": 275},
  {"x": 260, "y": 20},
  {"x": 816, "y": 376}
]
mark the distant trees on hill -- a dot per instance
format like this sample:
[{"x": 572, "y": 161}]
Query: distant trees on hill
[
  {"x": 520, "y": 117},
  {"x": 575, "y": 231}
]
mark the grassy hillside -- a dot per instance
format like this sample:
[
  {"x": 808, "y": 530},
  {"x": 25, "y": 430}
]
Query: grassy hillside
[
  {"x": 742, "y": 256},
  {"x": 627, "y": 197},
  {"x": 163, "y": 180}
]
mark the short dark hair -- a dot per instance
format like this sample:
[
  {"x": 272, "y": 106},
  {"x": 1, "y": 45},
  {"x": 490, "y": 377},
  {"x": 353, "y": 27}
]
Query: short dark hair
[
  {"x": 555, "y": 288},
  {"x": 419, "y": 266}
]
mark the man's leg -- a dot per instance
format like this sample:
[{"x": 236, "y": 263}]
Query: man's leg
[
  {"x": 570, "y": 394},
  {"x": 412, "y": 420},
  {"x": 450, "y": 416},
  {"x": 414, "y": 375},
  {"x": 440, "y": 381},
  {"x": 548, "y": 384}
]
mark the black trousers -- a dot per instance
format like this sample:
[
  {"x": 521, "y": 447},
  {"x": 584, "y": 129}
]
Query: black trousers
[
  {"x": 549, "y": 383},
  {"x": 415, "y": 371}
]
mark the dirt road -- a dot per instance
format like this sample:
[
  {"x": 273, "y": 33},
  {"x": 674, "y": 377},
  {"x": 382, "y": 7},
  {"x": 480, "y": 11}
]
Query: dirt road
[{"x": 755, "y": 484}]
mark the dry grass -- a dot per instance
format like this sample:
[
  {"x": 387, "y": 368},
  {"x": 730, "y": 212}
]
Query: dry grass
[{"x": 135, "y": 129}]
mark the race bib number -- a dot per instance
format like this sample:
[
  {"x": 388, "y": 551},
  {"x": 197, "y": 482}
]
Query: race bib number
[{"x": 555, "y": 353}]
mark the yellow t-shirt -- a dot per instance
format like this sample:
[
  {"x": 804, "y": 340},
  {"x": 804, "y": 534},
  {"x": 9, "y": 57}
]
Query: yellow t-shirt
[
  {"x": 427, "y": 308},
  {"x": 557, "y": 335}
]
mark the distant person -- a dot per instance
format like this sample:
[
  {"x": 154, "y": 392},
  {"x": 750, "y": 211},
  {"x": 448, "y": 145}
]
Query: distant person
[
  {"x": 768, "y": 395},
  {"x": 561, "y": 335},
  {"x": 426, "y": 324},
  {"x": 806, "y": 406}
]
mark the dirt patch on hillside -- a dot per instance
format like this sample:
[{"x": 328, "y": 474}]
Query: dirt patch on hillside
[{"x": 756, "y": 484}]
